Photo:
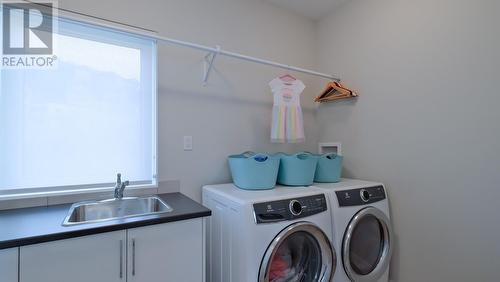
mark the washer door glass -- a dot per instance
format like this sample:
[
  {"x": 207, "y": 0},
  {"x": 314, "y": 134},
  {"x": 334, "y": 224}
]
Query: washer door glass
[
  {"x": 301, "y": 252},
  {"x": 366, "y": 246}
]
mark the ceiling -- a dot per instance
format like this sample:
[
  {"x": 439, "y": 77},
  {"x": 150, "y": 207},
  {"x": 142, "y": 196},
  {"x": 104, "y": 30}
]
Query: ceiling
[{"x": 312, "y": 9}]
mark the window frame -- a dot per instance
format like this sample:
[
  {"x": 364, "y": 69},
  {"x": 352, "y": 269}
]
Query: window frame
[{"x": 36, "y": 192}]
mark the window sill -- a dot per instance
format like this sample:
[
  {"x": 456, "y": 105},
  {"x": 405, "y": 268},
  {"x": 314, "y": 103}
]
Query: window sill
[{"x": 27, "y": 200}]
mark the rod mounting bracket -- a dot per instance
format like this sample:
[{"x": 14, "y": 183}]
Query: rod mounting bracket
[{"x": 208, "y": 64}]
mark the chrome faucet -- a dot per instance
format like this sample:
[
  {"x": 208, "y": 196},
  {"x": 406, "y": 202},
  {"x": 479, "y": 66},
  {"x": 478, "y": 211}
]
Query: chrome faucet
[{"x": 120, "y": 186}]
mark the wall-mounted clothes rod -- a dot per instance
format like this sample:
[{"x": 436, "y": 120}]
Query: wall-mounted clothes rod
[{"x": 213, "y": 52}]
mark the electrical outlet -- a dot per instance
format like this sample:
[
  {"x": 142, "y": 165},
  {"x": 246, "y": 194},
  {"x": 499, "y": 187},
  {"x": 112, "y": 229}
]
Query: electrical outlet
[{"x": 188, "y": 143}]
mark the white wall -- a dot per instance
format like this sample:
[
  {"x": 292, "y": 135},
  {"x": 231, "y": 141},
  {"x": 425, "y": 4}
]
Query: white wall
[
  {"x": 426, "y": 124},
  {"x": 232, "y": 114}
]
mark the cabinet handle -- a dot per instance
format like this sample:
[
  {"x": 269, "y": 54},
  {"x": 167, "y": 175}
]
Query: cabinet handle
[
  {"x": 121, "y": 259},
  {"x": 133, "y": 257}
]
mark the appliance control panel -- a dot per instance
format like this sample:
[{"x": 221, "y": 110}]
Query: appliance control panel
[
  {"x": 289, "y": 209},
  {"x": 361, "y": 196}
]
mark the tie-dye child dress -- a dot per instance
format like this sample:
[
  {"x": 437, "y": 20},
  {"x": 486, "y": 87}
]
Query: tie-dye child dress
[{"x": 287, "y": 125}]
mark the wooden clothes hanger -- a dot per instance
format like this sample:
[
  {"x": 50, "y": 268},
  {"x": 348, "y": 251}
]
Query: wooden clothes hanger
[{"x": 335, "y": 91}]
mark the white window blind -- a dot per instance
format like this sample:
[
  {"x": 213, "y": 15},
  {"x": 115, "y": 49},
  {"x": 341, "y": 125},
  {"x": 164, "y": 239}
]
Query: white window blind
[{"x": 80, "y": 123}]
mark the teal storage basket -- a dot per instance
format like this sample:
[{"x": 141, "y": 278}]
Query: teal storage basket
[
  {"x": 329, "y": 168},
  {"x": 297, "y": 169},
  {"x": 251, "y": 171}
]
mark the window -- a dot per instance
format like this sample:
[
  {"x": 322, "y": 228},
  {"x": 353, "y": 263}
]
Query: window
[{"x": 85, "y": 120}]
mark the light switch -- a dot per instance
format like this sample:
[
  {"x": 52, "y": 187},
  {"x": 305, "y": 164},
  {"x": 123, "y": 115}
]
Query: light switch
[{"x": 188, "y": 143}]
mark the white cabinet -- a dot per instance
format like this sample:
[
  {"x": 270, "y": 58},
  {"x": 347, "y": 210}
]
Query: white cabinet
[
  {"x": 170, "y": 252},
  {"x": 9, "y": 265},
  {"x": 95, "y": 258}
]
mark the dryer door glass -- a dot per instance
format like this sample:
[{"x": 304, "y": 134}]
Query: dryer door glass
[
  {"x": 301, "y": 252},
  {"x": 366, "y": 247}
]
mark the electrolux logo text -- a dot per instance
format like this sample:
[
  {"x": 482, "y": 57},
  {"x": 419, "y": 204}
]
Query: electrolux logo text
[{"x": 27, "y": 32}]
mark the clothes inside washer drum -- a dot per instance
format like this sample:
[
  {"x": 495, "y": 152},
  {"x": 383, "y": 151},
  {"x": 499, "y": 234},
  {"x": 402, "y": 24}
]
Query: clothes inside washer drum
[{"x": 298, "y": 258}]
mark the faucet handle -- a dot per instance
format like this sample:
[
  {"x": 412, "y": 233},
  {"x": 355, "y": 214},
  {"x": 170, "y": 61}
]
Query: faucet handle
[
  {"x": 119, "y": 178},
  {"x": 126, "y": 183}
]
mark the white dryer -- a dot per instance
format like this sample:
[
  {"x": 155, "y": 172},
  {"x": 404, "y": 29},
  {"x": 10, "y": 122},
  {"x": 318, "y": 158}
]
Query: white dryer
[
  {"x": 283, "y": 234},
  {"x": 362, "y": 230}
]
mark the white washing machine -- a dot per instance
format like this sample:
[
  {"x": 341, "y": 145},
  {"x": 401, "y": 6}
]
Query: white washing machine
[
  {"x": 362, "y": 230},
  {"x": 283, "y": 234}
]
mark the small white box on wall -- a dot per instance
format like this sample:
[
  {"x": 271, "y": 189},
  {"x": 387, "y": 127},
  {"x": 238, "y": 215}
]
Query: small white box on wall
[{"x": 330, "y": 147}]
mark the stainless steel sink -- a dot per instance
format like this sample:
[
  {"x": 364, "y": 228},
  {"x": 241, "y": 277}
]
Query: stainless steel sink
[{"x": 98, "y": 211}]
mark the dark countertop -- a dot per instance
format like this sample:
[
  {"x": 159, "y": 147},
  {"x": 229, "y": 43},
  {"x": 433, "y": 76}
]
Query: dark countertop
[{"x": 19, "y": 227}]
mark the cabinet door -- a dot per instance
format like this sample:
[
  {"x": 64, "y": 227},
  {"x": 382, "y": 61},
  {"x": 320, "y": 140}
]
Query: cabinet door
[
  {"x": 96, "y": 258},
  {"x": 169, "y": 252},
  {"x": 9, "y": 265}
]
